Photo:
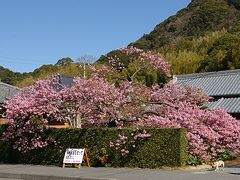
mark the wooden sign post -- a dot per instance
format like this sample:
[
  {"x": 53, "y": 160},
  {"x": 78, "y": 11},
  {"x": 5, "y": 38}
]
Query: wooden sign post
[{"x": 75, "y": 156}]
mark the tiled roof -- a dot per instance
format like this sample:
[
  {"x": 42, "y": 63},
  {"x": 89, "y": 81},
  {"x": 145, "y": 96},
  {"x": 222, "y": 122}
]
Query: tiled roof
[
  {"x": 222, "y": 83},
  {"x": 66, "y": 81},
  {"x": 230, "y": 105},
  {"x": 63, "y": 81},
  {"x": 7, "y": 91}
]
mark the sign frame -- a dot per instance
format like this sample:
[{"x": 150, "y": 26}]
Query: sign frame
[{"x": 76, "y": 156}]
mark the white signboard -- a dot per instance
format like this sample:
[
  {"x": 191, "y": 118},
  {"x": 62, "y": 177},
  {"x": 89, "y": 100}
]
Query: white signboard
[{"x": 73, "y": 156}]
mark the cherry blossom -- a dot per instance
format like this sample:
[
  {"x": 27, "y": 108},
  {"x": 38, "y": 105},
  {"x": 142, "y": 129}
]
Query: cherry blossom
[{"x": 99, "y": 103}]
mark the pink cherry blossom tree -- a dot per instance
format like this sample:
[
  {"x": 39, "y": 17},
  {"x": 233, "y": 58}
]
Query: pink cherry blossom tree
[
  {"x": 148, "y": 58},
  {"x": 97, "y": 102},
  {"x": 210, "y": 132},
  {"x": 139, "y": 62},
  {"x": 93, "y": 100},
  {"x": 29, "y": 112}
]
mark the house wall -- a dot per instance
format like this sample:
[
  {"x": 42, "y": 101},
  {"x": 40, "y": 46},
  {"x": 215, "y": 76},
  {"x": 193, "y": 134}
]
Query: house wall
[{"x": 3, "y": 121}]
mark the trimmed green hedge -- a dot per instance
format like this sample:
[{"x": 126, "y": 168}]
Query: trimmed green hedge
[{"x": 165, "y": 147}]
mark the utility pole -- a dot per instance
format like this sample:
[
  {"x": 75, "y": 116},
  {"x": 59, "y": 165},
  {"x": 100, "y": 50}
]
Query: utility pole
[
  {"x": 86, "y": 60},
  {"x": 84, "y": 70}
]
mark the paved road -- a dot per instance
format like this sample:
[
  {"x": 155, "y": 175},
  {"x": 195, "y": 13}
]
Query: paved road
[
  {"x": 8, "y": 179},
  {"x": 29, "y": 172}
]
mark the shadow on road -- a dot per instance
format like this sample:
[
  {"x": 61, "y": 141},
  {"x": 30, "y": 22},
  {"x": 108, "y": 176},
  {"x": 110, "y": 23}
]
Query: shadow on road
[{"x": 235, "y": 173}]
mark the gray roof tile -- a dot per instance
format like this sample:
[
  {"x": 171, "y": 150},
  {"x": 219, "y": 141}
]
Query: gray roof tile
[
  {"x": 222, "y": 83},
  {"x": 66, "y": 81},
  {"x": 231, "y": 105},
  {"x": 7, "y": 91}
]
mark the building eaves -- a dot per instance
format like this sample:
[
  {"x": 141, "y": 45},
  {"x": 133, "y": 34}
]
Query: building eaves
[
  {"x": 222, "y": 83},
  {"x": 7, "y": 91},
  {"x": 230, "y": 105}
]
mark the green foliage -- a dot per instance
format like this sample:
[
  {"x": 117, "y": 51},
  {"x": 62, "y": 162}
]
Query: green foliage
[
  {"x": 134, "y": 70},
  {"x": 193, "y": 160},
  {"x": 116, "y": 53},
  {"x": 151, "y": 78},
  {"x": 64, "y": 66},
  {"x": 211, "y": 15},
  {"x": 202, "y": 37},
  {"x": 226, "y": 156},
  {"x": 199, "y": 18},
  {"x": 68, "y": 69},
  {"x": 216, "y": 51},
  {"x": 236, "y": 3},
  {"x": 64, "y": 61},
  {"x": 184, "y": 62},
  {"x": 10, "y": 77},
  {"x": 224, "y": 54},
  {"x": 165, "y": 147}
]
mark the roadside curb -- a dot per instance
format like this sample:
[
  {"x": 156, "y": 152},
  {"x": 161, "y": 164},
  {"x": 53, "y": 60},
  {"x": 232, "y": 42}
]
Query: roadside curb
[
  {"x": 46, "y": 177},
  {"x": 189, "y": 168}
]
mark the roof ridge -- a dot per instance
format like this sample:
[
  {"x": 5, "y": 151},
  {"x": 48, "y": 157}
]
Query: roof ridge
[
  {"x": 209, "y": 74},
  {"x": 8, "y": 85}
]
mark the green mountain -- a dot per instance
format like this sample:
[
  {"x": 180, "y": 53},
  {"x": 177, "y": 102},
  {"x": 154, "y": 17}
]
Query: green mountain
[
  {"x": 204, "y": 36},
  {"x": 65, "y": 66},
  {"x": 198, "y": 18},
  {"x": 10, "y": 77}
]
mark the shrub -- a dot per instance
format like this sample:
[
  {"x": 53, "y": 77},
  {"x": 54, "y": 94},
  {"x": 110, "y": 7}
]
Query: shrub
[{"x": 165, "y": 147}]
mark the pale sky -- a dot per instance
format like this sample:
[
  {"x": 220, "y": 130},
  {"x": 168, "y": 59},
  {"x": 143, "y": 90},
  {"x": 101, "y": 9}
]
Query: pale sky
[{"x": 37, "y": 32}]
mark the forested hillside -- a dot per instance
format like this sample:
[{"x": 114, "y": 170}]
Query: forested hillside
[
  {"x": 9, "y": 77},
  {"x": 64, "y": 66},
  {"x": 205, "y": 36},
  {"x": 198, "y": 18}
]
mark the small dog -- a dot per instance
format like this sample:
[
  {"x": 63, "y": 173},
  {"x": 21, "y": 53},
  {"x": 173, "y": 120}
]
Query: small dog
[{"x": 218, "y": 165}]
